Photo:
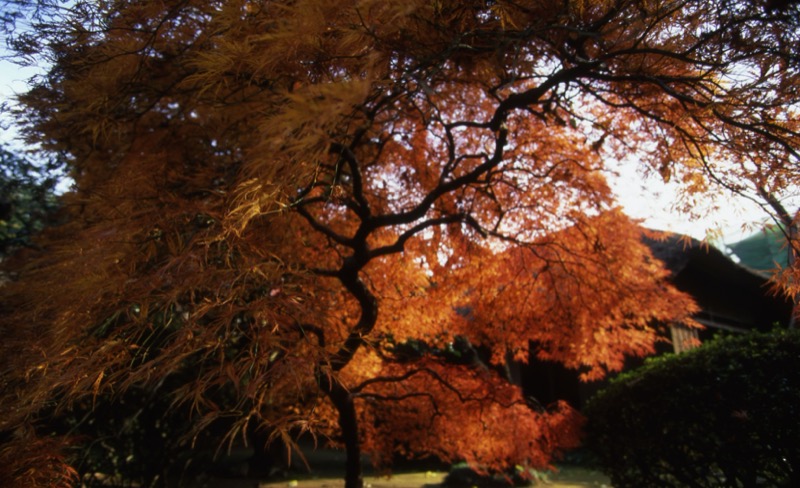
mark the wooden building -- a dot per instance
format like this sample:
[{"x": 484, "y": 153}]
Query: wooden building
[{"x": 732, "y": 298}]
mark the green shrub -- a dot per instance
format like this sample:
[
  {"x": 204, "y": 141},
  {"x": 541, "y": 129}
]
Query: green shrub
[{"x": 724, "y": 415}]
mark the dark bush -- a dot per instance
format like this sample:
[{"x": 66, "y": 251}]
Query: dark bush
[
  {"x": 132, "y": 440},
  {"x": 724, "y": 415}
]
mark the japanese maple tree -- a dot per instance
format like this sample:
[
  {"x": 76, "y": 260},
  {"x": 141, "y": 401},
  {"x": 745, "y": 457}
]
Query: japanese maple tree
[{"x": 272, "y": 196}]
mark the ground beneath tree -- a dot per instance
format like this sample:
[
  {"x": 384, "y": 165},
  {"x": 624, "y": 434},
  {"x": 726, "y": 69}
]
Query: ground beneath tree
[
  {"x": 566, "y": 477},
  {"x": 327, "y": 472}
]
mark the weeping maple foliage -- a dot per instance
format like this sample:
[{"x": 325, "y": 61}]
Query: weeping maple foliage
[{"x": 271, "y": 196}]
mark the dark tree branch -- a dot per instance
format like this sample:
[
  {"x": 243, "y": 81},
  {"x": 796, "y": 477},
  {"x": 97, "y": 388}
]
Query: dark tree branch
[
  {"x": 361, "y": 206},
  {"x": 759, "y": 131},
  {"x": 446, "y": 187},
  {"x": 323, "y": 229},
  {"x": 399, "y": 245},
  {"x": 529, "y": 97}
]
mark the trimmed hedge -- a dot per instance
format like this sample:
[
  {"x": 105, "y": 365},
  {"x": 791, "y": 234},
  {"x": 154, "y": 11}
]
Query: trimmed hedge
[{"x": 726, "y": 414}]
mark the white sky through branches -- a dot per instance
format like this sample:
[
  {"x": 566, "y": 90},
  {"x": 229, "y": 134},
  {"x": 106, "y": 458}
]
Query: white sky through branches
[{"x": 643, "y": 197}]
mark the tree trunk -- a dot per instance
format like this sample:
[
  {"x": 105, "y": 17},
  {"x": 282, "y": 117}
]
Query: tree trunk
[
  {"x": 348, "y": 424},
  {"x": 792, "y": 238}
]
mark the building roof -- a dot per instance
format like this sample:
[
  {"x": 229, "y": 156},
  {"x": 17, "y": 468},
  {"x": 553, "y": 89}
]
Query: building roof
[
  {"x": 764, "y": 250},
  {"x": 732, "y": 296}
]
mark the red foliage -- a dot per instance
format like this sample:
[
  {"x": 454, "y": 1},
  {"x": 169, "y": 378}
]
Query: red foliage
[{"x": 28, "y": 461}]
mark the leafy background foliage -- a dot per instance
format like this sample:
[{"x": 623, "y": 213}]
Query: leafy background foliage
[{"x": 29, "y": 201}]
